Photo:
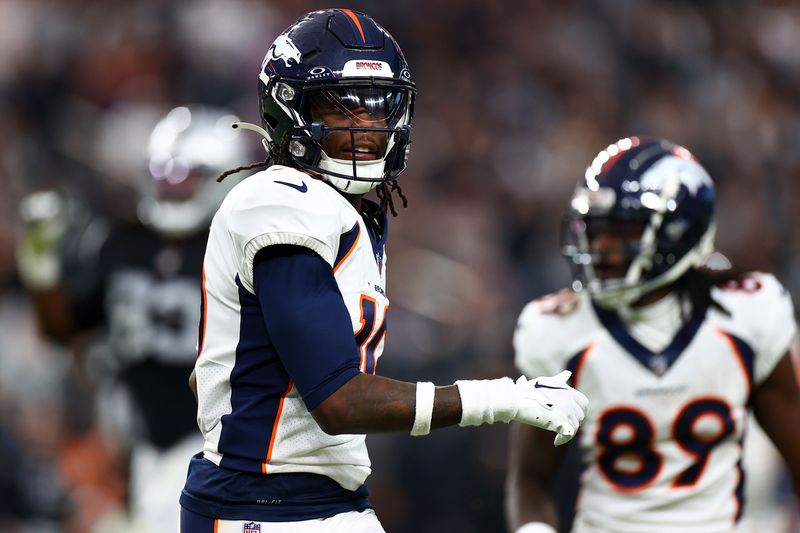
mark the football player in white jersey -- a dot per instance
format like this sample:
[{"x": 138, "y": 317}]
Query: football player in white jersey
[
  {"x": 295, "y": 304},
  {"x": 672, "y": 354}
]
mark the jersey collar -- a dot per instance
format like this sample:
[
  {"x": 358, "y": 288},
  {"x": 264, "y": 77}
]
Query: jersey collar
[{"x": 656, "y": 362}]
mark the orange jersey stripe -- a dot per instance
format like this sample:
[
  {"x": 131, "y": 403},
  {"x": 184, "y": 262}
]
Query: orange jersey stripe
[
  {"x": 275, "y": 428},
  {"x": 354, "y": 18},
  {"x": 739, "y": 356},
  {"x": 202, "y": 339},
  {"x": 576, "y": 374},
  {"x": 349, "y": 252}
]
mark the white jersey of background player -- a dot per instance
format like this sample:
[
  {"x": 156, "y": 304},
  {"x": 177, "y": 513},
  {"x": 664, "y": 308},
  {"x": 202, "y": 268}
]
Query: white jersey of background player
[
  {"x": 672, "y": 355},
  {"x": 295, "y": 306}
]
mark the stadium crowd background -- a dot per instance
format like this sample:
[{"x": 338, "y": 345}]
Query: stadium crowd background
[{"x": 515, "y": 98}]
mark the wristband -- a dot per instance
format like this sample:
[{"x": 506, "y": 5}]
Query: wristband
[
  {"x": 536, "y": 527},
  {"x": 423, "y": 411},
  {"x": 487, "y": 401}
]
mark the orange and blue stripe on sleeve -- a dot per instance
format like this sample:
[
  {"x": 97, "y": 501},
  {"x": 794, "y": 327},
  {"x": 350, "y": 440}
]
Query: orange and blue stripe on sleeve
[
  {"x": 744, "y": 355},
  {"x": 576, "y": 362},
  {"x": 347, "y": 244}
]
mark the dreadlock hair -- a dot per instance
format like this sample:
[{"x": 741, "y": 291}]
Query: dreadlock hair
[
  {"x": 696, "y": 284},
  {"x": 261, "y": 164},
  {"x": 384, "y": 192}
]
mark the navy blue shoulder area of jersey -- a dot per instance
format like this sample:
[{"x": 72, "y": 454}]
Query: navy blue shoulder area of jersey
[
  {"x": 219, "y": 492},
  {"x": 306, "y": 319},
  {"x": 377, "y": 223}
]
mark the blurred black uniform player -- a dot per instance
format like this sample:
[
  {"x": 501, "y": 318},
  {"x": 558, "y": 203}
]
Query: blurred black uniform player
[{"x": 138, "y": 285}]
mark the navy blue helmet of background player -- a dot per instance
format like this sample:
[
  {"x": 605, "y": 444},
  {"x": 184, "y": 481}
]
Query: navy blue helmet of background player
[
  {"x": 659, "y": 189},
  {"x": 339, "y": 58},
  {"x": 188, "y": 148}
]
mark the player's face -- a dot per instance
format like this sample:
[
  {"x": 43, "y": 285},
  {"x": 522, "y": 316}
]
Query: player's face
[
  {"x": 613, "y": 246},
  {"x": 366, "y": 108}
]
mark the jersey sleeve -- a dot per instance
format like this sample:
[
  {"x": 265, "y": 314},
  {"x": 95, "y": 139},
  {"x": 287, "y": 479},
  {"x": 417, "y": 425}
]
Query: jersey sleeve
[
  {"x": 550, "y": 332},
  {"x": 284, "y": 206},
  {"x": 776, "y": 325},
  {"x": 307, "y": 320},
  {"x": 534, "y": 355}
]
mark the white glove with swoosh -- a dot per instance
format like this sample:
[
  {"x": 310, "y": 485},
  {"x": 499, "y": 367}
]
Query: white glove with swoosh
[
  {"x": 549, "y": 403},
  {"x": 545, "y": 402}
]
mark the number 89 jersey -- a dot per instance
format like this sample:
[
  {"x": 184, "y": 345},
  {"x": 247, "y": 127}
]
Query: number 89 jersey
[{"x": 662, "y": 440}]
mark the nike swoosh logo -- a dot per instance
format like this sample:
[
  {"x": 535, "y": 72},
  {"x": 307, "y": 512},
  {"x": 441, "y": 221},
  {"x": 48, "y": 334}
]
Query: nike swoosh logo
[
  {"x": 538, "y": 385},
  {"x": 301, "y": 188}
]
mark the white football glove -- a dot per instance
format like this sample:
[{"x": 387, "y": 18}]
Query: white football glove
[
  {"x": 545, "y": 402},
  {"x": 549, "y": 403}
]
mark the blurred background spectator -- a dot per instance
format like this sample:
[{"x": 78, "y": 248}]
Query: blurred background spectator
[{"x": 515, "y": 98}]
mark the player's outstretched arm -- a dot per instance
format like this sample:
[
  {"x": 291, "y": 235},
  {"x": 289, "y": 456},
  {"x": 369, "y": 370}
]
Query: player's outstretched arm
[
  {"x": 776, "y": 405},
  {"x": 311, "y": 329},
  {"x": 369, "y": 403},
  {"x": 532, "y": 466},
  {"x": 39, "y": 264}
]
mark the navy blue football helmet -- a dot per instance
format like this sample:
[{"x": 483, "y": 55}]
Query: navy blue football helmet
[
  {"x": 660, "y": 198},
  {"x": 337, "y": 59}
]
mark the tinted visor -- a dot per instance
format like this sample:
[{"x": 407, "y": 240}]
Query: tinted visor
[{"x": 365, "y": 107}]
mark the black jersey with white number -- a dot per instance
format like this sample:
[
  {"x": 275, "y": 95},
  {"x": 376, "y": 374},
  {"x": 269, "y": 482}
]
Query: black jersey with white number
[{"x": 144, "y": 293}]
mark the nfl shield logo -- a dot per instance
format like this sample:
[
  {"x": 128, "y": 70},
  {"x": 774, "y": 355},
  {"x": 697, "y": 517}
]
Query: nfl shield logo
[{"x": 251, "y": 527}]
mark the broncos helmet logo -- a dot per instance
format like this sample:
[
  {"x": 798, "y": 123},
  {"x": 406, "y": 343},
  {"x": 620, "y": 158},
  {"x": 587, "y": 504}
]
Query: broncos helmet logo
[{"x": 284, "y": 49}]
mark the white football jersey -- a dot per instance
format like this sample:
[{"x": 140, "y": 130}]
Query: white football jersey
[
  {"x": 662, "y": 439},
  {"x": 268, "y": 429}
]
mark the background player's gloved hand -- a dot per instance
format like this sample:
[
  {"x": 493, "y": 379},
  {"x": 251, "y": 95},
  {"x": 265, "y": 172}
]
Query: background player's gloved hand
[
  {"x": 42, "y": 215},
  {"x": 545, "y": 402}
]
